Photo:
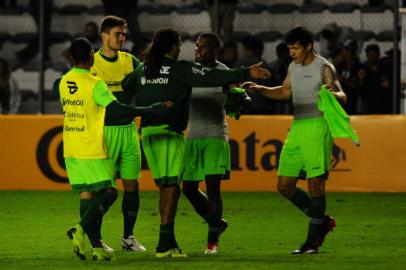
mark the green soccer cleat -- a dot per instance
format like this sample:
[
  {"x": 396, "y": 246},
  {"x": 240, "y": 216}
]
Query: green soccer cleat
[
  {"x": 100, "y": 254},
  {"x": 178, "y": 253},
  {"x": 164, "y": 254},
  {"x": 171, "y": 253},
  {"x": 77, "y": 235}
]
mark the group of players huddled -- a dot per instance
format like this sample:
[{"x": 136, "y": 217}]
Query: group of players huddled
[{"x": 105, "y": 90}]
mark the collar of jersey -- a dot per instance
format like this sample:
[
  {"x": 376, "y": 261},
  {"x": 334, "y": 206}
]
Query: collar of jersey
[
  {"x": 108, "y": 59},
  {"x": 168, "y": 56},
  {"x": 76, "y": 69}
]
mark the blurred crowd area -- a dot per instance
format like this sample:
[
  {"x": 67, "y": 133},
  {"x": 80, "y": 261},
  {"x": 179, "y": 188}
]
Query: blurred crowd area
[{"x": 356, "y": 35}]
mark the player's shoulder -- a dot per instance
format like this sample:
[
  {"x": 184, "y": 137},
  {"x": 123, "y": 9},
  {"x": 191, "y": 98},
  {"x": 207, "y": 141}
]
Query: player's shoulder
[
  {"x": 124, "y": 54},
  {"x": 323, "y": 61},
  {"x": 221, "y": 65},
  {"x": 95, "y": 79}
]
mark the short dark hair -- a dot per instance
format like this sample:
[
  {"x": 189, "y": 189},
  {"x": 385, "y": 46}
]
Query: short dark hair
[
  {"x": 373, "y": 47},
  {"x": 213, "y": 38},
  {"x": 92, "y": 24},
  {"x": 253, "y": 44},
  {"x": 110, "y": 22},
  {"x": 80, "y": 50},
  {"x": 300, "y": 35},
  {"x": 6, "y": 68}
]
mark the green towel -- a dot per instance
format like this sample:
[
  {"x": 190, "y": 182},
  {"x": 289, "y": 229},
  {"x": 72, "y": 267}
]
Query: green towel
[
  {"x": 236, "y": 100},
  {"x": 337, "y": 119}
]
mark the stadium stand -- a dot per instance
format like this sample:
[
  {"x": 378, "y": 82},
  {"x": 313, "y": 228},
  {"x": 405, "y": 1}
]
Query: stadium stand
[{"x": 266, "y": 20}]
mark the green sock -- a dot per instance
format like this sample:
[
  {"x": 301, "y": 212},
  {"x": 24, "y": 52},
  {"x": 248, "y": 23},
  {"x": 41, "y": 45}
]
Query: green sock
[
  {"x": 317, "y": 210},
  {"x": 165, "y": 235},
  {"x": 301, "y": 200}
]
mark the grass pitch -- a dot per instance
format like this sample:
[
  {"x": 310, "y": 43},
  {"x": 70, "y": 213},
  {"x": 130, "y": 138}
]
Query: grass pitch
[{"x": 264, "y": 228}]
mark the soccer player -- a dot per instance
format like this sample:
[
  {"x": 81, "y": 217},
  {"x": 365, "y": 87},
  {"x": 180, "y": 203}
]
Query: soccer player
[
  {"x": 163, "y": 77},
  {"x": 112, "y": 65},
  {"x": 207, "y": 153},
  {"x": 307, "y": 151},
  {"x": 84, "y": 100}
]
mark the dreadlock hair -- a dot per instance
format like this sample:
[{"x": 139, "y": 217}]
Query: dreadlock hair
[{"x": 162, "y": 42}]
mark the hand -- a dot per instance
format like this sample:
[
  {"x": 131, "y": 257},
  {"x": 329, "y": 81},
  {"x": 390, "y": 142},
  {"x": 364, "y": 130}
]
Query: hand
[
  {"x": 167, "y": 104},
  {"x": 159, "y": 107},
  {"x": 257, "y": 72},
  {"x": 251, "y": 87}
]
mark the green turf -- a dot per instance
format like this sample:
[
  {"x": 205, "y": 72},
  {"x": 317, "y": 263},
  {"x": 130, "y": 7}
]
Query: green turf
[{"x": 264, "y": 228}]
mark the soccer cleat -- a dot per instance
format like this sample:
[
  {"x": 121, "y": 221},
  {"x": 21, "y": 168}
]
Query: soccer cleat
[
  {"x": 77, "y": 235},
  {"x": 178, "y": 253},
  {"x": 212, "y": 248},
  {"x": 328, "y": 225},
  {"x": 132, "y": 244},
  {"x": 306, "y": 248},
  {"x": 100, "y": 254},
  {"x": 106, "y": 247},
  {"x": 171, "y": 253},
  {"x": 164, "y": 254}
]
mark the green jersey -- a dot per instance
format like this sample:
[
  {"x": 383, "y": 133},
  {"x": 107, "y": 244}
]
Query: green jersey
[{"x": 175, "y": 82}]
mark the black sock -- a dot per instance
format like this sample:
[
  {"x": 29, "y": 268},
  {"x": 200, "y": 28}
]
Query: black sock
[
  {"x": 84, "y": 205},
  {"x": 94, "y": 232},
  {"x": 317, "y": 213},
  {"x": 214, "y": 227},
  {"x": 173, "y": 242},
  {"x": 98, "y": 207},
  {"x": 197, "y": 198},
  {"x": 301, "y": 200},
  {"x": 130, "y": 207},
  {"x": 165, "y": 233}
]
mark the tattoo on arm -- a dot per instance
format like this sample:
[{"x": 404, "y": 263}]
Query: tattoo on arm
[{"x": 329, "y": 76}]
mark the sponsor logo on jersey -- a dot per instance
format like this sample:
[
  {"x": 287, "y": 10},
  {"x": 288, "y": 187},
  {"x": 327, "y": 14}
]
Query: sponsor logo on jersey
[
  {"x": 159, "y": 80},
  {"x": 198, "y": 71},
  {"x": 72, "y": 102},
  {"x": 164, "y": 70}
]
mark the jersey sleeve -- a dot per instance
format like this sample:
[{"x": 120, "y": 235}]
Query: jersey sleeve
[
  {"x": 55, "y": 87},
  {"x": 194, "y": 75},
  {"x": 130, "y": 82},
  {"x": 102, "y": 95},
  {"x": 135, "y": 60}
]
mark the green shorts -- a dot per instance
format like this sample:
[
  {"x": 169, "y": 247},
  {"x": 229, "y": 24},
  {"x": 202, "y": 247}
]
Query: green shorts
[
  {"x": 307, "y": 150},
  {"x": 124, "y": 150},
  {"x": 207, "y": 156},
  {"x": 163, "y": 150},
  {"x": 90, "y": 175}
]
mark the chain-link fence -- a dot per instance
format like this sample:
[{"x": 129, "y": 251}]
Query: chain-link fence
[{"x": 335, "y": 24}]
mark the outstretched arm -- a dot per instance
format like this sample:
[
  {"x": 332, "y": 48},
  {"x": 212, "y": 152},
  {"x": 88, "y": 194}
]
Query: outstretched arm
[
  {"x": 332, "y": 82},
  {"x": 282, "y": 92},
  {"x": 126, "y": 110}
]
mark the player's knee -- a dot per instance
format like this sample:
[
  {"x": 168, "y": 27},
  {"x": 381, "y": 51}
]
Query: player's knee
[
  {"x": 113, "y": 194},
  {"x": 130, "y": 185},
  {"x": 285, "y": 190}
]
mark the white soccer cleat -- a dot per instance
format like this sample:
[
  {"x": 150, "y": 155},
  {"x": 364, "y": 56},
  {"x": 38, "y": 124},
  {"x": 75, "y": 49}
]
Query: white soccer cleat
[
  {"x": 106, "y": 247},
  {"x": 132, "y": 244},
  {"x": 212, "y": 248}
]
